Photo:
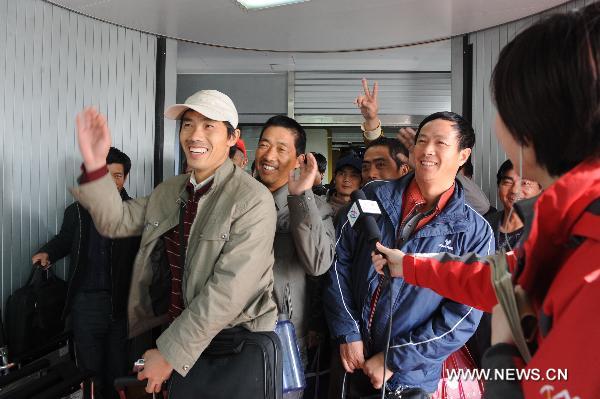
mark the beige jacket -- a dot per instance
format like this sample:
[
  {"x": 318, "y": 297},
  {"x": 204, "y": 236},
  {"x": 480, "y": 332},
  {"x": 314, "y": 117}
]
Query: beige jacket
[
  {"x": 304, "y": 244},
  {"x": 228, "y": 275}
]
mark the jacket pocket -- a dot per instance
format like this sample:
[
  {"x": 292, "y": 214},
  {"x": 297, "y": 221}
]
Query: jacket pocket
[{"x": 214, "y": 232}]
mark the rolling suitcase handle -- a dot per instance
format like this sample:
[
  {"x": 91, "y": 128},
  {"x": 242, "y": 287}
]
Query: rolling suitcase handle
[{"x": 122, "y": 383}]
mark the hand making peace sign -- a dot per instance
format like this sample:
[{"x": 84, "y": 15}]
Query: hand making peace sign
[{"x": 369, "y": 107}]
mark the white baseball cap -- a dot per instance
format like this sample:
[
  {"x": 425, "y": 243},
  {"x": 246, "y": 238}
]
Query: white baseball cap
[{"x": 211, "y": 103}]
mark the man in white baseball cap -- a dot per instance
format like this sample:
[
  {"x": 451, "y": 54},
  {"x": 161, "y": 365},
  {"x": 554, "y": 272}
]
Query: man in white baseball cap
[
  {"x": 226, "y": 217},
  {"x": 211, "y": 103}
]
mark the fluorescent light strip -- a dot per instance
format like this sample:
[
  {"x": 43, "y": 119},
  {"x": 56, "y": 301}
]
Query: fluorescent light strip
[{"x": 260, "y": 4}]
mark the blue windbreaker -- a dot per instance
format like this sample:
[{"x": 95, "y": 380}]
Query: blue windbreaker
[{"x": 426, "y": 328}]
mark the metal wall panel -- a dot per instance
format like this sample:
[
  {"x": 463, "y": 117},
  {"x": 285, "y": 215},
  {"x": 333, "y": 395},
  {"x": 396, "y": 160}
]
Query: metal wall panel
[
  {"x": 257, "y": 97},
  {"x": 456, "y": 65},
  {"x": 53, "y": 63},
  {"x": 330, "y": 96},
  {"x": 487, "y": 44}
]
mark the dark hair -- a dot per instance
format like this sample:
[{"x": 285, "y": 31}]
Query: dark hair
[
  {"x": 505, "y": 167},
  {"x": 466, "y": 134},
  {"x": 321, "y": 161},
  {"x": 394, "y": 146},
  {"x": 467, "y": 168},
  {"x": 230, "y": 130},
  {"x": 547, "y": 89},
  {"x": 117, "y": 156},
  {"x": 293, "y": 126},
  {"x": 232, "y": 151}
]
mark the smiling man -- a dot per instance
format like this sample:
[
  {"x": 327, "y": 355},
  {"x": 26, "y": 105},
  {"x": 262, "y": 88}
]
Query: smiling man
[
  {"x": 508, "y": 226},
  {"x": 227, "y": 220},
  {"x": 422, "y": 212},
  {"x": 305, "y": 234}
]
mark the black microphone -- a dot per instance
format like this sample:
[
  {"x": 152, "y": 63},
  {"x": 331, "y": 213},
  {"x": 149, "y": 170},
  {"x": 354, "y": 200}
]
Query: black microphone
[{"x": 362, "y": 218}]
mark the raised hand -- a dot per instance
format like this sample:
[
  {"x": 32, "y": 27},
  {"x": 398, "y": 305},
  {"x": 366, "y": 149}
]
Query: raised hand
[
  {"x": 407, "y": 135},
  {"x": 388, "y": 256},
  {"x": 93, "y": 137},
  {"x": 369, "y": 107},
  {"x": 303, "y": 181}
]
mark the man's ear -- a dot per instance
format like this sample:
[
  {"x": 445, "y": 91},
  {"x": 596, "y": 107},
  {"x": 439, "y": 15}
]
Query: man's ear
[
  {"x": 464, "y": 154},
  {"x": 234, "y": 138}
]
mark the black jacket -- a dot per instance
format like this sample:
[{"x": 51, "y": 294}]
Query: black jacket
[{"x": 73, "y": 240}]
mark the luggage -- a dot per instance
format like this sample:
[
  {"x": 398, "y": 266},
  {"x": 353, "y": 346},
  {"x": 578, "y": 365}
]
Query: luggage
[
  {"x": 47, "y": 371},
  {"x": 132, "y": 388},
  {"x": 237, "y": 364},
  {"x": 41, "y": 380},
  {"x": 34, "y": 312}
]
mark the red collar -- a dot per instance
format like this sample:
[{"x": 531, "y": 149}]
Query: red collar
[{"x": 413, "y": 199}]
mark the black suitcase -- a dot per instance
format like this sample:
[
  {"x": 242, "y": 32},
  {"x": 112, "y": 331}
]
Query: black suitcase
[
  {"x": 42, "y": 380},
  {"x": 34, "y": 312},
  {"x": 237, "y": 364}
]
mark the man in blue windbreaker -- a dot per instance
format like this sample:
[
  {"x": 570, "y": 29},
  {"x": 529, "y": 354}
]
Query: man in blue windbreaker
[{"x": 422, "y": 212}]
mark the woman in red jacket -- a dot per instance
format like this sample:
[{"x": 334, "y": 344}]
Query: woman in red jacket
[{"x": 546, "y": 86}]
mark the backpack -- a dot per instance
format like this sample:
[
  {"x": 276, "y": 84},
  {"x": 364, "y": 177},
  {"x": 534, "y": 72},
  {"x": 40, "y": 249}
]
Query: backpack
[{"x": 34, "y": 312}]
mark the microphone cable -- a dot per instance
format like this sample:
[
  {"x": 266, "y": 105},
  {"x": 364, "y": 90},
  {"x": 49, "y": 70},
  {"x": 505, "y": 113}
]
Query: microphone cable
[{"x": 386, "y": 271}]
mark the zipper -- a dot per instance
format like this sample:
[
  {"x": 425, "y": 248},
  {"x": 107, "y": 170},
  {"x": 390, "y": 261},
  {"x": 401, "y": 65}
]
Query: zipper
[
  {"x": 77, "y": 253},
  {"x": 401, "y": 228}
]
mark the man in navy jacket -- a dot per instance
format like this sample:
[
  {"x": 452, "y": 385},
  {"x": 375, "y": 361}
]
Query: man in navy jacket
[{"x": 424, "y": 212}]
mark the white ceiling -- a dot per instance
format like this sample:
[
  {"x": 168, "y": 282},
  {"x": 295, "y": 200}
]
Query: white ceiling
[
  {"x": 316, "y": 25},
  {"x": 193, "y": 58}
]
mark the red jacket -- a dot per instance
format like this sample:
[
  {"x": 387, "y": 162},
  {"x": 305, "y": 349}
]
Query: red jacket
[{"x": 561, "y": 274}]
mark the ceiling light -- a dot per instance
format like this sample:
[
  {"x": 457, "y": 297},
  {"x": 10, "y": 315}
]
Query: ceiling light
[{"x": 260, "y": 4}]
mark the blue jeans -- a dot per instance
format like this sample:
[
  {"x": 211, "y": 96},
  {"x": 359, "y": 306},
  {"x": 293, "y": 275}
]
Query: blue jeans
[{"x": 100, "y": 340}]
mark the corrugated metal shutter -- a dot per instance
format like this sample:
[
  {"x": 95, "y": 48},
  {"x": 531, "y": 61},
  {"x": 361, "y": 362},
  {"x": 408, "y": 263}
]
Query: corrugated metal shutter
[
  {"x": 55, "y": 63},
  {"x": 326, "y": 98}
]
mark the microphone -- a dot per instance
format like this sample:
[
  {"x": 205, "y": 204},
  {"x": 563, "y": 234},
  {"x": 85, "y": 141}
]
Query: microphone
[{"x": 362, "y": 219}]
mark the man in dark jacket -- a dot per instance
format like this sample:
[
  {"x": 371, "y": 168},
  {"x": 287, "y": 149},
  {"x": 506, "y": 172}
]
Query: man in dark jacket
[
  {"x": 99, "y": 278},
  {"x": 424, "y": 212}
]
